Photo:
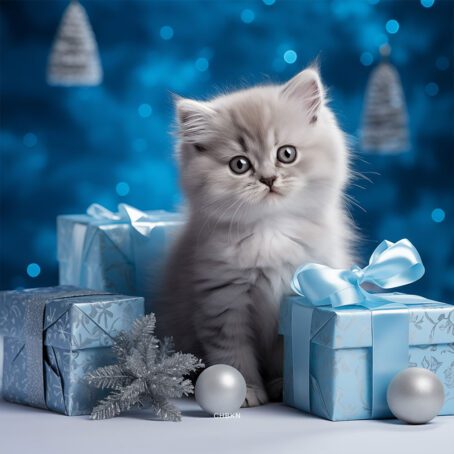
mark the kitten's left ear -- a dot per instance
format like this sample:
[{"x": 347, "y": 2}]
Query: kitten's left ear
[
  {"x": 195, "y": 119},
  {"x": 307, "y": 88}
]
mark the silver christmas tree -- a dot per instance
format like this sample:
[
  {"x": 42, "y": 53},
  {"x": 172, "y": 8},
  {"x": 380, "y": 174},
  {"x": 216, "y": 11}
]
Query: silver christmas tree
[
  {"x": 385, "y": 121},
  {"x": 74, "y": 59}
]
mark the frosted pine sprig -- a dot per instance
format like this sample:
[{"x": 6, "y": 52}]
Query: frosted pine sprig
[{"x": 147, "y": 374}]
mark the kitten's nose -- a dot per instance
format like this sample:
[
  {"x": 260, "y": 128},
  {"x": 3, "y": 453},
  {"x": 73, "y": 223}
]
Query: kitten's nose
[{"x": 268, "y": 181}]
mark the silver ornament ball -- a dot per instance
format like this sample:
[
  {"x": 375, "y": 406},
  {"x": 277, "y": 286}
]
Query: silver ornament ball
[
  {"x": 220, "y": 390},
  {"x": 415, "y": 395}
]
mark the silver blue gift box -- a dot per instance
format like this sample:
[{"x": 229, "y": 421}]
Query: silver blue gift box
[
  {"x": 344, "y": 345},
  {"x": 121, "y": 252},
  {"x": 53, "y": 337},
  {"x": 341, "y": 366}
]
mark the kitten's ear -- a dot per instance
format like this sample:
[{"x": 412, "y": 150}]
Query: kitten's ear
[
  {"x": 194, "y": 119},
  {"x": 307, "y": 88}
]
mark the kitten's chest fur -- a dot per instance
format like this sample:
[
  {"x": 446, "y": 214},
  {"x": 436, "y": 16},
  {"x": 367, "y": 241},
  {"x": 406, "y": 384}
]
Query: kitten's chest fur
[{"x": 269, "y": 254}]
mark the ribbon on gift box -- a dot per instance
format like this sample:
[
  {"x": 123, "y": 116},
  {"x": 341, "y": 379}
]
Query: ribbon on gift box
[
  {"x": 139, "y": 220},
  {"x": 125, "y": 213},
  {"x": 391, "y": 265}
]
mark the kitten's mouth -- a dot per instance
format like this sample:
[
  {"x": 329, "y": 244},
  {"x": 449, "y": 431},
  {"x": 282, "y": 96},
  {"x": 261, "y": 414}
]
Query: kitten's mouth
[{"x": 273, "y": 192}]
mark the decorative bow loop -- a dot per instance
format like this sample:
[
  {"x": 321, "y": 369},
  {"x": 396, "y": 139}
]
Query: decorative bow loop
[
  {"x": 125, "y": 212},
  {"x": 394, "y": 264},
  {"x": 391, "y": 265},
  {"x": 140, "y": 221},
  {"x": 98, "y": 211}
]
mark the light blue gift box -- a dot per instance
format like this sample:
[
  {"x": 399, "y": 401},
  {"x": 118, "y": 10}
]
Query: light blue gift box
[
  {"x": 120, "y": 252},
  {"x": 340, "y": 357},
  {"x": 53, "y": 337}
]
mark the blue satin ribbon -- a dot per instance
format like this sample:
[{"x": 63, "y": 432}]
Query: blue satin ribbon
[
  {"x": 126, "y": 213},
  {"x": 391, "y": 265}
]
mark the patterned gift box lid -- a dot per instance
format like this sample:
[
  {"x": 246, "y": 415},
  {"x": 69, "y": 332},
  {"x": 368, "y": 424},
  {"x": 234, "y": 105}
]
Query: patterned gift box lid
[
  {"x": 75, "y": 322},
  {"x": 350, "y": 326}
]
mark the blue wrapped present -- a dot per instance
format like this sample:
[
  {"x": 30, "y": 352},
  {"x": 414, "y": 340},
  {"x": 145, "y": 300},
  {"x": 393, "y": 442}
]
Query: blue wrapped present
[
  {"x": 53, "y": 337},
  {"x": 343, "y": 345},
  {"x": 120, "y": 252}
]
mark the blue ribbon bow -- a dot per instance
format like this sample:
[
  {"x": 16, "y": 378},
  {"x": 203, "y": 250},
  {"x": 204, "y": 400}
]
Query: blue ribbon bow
[
  {"x": 141, "y": 221},
  {"x": 126, "y": 213},
  {"x": 391, "y": 265}
]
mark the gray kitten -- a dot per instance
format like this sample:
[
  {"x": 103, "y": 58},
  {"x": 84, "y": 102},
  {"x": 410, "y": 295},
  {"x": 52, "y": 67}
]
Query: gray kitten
[{"x": 264, "y": 170}]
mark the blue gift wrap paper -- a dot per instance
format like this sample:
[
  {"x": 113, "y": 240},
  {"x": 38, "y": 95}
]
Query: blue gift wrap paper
[
  {"x": 53, "y": 337},
  {"x": 123, "y": 252}
]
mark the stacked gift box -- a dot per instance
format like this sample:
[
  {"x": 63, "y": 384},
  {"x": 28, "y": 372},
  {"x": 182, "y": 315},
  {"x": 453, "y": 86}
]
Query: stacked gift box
[{"x": 108, "y": 263}]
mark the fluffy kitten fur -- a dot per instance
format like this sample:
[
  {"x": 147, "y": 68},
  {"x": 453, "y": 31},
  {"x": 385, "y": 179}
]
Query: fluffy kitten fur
[{"x": 243, "y": 241}]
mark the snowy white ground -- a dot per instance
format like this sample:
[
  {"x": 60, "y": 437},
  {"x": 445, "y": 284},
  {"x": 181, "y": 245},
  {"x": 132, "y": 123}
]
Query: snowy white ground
[{"x": 273, "y": 428}]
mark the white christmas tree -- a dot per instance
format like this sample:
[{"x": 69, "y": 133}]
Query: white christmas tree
[
  {"x": 385, "y": 121},
  {"x": 74, "y": 59}
]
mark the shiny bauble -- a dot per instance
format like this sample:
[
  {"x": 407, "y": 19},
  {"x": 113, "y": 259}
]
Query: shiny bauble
[
  {"x": 220, "y": 390},
  {"x": 415, "y": 395}
]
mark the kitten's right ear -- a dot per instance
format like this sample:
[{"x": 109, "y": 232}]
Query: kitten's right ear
[
  {"x": 195, "y": 119},
  {"x": 307, "y": 88}
]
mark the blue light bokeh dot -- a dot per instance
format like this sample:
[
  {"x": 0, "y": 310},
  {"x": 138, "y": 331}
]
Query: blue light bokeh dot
[
  {"x": 33, "y": 270},
  {"x": 166, "y": 32},
  {"x": 438, "y": 215},
  {"x": 29, "y": 140},
  {"x": 247, "y": 16},
  {"x": 392, "y": 26},
  {"x": 427, "y": 3},
  {"x": 290, "y": 56},
  {"x": 442, "y": 63},
  {"x": 269, "y": 2},
  {"x": 431, "y": 89},
  {"x": 145, "y": 110},
  {"x": 366, "y": 58},
  {"x": 122, "y": 188},
  {"x": 202, "y": 64}
]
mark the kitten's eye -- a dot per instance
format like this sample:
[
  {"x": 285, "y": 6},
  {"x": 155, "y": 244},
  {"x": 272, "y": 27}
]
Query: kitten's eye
[
  {"x": 286, "y": 154},
  {"x": 199, "y": 147},
  {"x": 240, "y": 164}
]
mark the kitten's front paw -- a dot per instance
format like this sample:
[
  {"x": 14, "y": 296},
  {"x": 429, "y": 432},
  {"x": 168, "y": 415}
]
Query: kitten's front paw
[{"x": 255, "y": 396}]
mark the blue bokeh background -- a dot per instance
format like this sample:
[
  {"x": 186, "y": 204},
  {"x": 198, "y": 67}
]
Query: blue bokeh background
[{"x": 64, "y": 148}]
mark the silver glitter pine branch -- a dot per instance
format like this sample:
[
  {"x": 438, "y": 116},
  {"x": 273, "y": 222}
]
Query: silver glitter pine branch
[{"x": 147, "y": 374}]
